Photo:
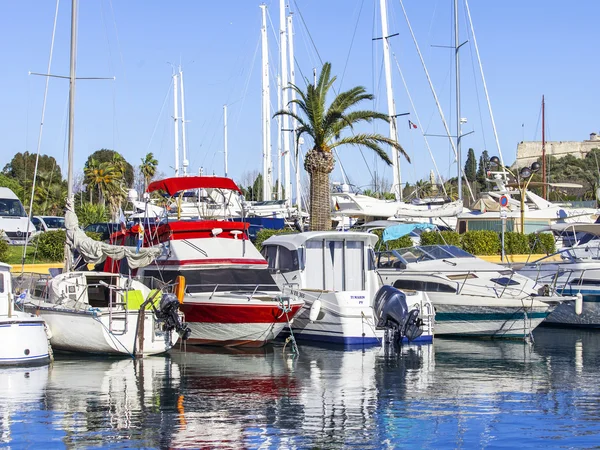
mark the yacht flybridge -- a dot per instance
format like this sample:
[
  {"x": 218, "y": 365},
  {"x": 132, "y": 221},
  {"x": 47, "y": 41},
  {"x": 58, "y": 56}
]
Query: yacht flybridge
[{"x": 229, "y": 296}]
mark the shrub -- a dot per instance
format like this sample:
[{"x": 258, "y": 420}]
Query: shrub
[
  {"x": 440, "y": 238},
  {"x": 4, "y": 250},
  {"x": 515, "y": 243},
  {"x": 51, "y": 245},
  {"x": 402, "y": 242},
  {"x": 90, "y": 213},
  {"x": 481, "y": 242},
  {"x": 265, "y": 234},
  {"x": 542, "y": 243}
]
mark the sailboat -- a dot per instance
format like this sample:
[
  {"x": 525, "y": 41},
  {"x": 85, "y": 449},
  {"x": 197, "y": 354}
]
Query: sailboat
[
  {"x": 439, "y": 211},
  {"x": 96, "y": 312}
]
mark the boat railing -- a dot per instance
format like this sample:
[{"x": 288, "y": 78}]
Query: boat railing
[{"x": 251, "y": 289}]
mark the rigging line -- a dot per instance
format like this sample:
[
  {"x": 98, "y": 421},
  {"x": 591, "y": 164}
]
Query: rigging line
[
  {"x": 487, "y": 96},
  {"x": 537, "y": 126},
  {"x": 412, "y": 105},
  {"x": 111, "y": 70},
  {"x": 160, "y": 114},
  {"x": 245, "y": 91},
  {"x": 352, "y": 41},
  {"x": 308, "y": 32},
  {"x": 462, "y": 170},
  {"x": 39, "y": 144}
]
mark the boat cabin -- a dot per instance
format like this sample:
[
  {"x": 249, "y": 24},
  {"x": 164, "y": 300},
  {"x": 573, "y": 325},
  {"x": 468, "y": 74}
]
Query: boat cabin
[{"x": 325, "y": 261}]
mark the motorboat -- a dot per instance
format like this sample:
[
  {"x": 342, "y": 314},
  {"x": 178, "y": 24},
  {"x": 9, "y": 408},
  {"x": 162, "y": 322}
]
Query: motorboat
[
  {"x": 333, "y": 272},
  {"x": 230, "y": 298},
  {"x": 104, "y": 313},
  {"x": 572, "y": 271},
  {"x": 23, "y": 335},
  {"x": 471, "y": 297}
]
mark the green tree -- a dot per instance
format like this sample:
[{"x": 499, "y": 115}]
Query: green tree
[
  {"x": 103, "y": 177},
  {"x": 325, "y": 126},
  {"x": 148, "y": 168},
  {"x": 22, "y": 166},
  {"x": 471, "y": 166},
  {"x": 484, "y": 163},
  {"x": 111, "y": 156}
]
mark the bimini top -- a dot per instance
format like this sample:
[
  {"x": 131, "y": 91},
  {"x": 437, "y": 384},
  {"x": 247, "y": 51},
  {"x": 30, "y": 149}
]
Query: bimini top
[
  {"x": 294, "y": 241},
  {"x": 177, "y": 184},
  {"x": 591, "y": 228}
]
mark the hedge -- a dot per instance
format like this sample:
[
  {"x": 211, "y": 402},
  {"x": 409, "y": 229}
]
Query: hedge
[
  {"x": 441, "y": 238},
  {"x": 515, "y": 243},
  {"x": 481, "y": 242},
  {"x": 266, "y": 233},
  {"x": 51, "y": 244},
  {"x": 542, "y": 243},
  {"x": 4, "y": 250}
]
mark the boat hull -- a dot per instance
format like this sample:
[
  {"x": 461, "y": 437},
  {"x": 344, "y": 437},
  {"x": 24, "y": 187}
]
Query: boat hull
[
  {"x": 24, "y": 341},
  {"x": 67, "y": 328},
  {"x": 341, "y": 319},
  {"x": 488, "y": 321},
  {"x": 565, "y": 314},
  {"x": 228, "y": 320}
]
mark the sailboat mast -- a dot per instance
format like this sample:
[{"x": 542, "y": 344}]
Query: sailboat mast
[
  {"x": 290, "y": 31},
  {"x": 285, "y": 123},
  {"x": 458, "y": 118},
  {"x": 185, "y": 161},
  {"x": 397, "y": 180},
  {"x": 266, "y": 104},
  {"x": 176, "y": 129},
  {"x": 544, "y": 193},
  {"x": 225, "y": 136},
  {"x": 71, "y": 142}
]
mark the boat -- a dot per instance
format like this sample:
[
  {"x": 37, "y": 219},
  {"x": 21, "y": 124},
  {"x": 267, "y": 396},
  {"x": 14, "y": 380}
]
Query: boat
[
  {"x": 471, "y": 297},
  {"x": 105, "y": 313},
  {"x": 333, "y": 273},
  {"x": 230, "y": 297},
  {"x": 573, "y": 271},
  {"x": 23, "y": 335}
]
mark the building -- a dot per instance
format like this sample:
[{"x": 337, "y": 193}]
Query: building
[{"x": 530, "y": 151}]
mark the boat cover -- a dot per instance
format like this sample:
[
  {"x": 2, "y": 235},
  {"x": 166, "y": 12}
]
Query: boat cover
[
  {"x": 177, "y": 184},
  {"x": 94, "y": 252},
  {"x": 397, "y": 231}
]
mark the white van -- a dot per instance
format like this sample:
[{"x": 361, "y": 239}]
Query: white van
[{"x": 13, "y": 219}]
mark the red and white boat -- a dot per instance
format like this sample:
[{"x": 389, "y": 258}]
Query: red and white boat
[{"x": 230, "y": 297}]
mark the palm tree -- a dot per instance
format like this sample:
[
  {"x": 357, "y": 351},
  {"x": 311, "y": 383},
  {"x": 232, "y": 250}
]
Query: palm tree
[
  {"x": 324, "y": 126},
  {"x": 148, "y": 168},
  {"x": 104, "y": 176}
]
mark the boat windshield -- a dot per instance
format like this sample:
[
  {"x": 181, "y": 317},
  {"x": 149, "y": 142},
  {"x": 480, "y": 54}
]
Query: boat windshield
[{"x": 430, "y": 252}]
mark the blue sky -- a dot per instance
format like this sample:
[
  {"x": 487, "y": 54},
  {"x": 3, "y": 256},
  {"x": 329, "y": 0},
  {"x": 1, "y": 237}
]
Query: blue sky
[{"x": 528, "y": 49}]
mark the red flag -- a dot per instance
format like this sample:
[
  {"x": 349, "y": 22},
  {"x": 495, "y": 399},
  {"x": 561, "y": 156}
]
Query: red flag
[{"x": 411, "y": 125}]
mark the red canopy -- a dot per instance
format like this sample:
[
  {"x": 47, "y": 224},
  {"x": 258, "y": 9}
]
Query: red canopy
[{"x": 178, "y": 184}]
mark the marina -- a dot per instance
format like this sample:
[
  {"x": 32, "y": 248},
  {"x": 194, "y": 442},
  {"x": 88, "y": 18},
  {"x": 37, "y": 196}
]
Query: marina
[
  {"x": 449, "y": 394},
  {"x": 251, "y": 281}
]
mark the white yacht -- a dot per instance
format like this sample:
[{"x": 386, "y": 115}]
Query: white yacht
[
  {"x": 573, "y": 271},
  {"x": 471, "y": 296},
  {"x": 23, "y": 335},
  {"x": 334, "y": 273}
]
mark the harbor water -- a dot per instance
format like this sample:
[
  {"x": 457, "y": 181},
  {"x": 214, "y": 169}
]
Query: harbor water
[{"x": 451, "y": 394}]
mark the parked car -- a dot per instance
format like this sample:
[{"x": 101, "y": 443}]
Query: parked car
[
  {"x": 48, "y": 223},
  {"x": 104, "y": 228},
  {"x": 14, "y": 223}
]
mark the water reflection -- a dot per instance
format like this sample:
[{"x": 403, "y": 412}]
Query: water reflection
[{"x": 454, "y": 393}]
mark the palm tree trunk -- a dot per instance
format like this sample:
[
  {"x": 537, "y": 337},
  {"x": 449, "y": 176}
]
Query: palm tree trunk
[{"x": 319, "y": 165}]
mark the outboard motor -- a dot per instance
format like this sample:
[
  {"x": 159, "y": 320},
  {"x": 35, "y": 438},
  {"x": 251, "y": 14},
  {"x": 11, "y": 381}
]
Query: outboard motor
[
  {"x": 168, "y": 312},
  {"x": 393, "y": 316}
]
